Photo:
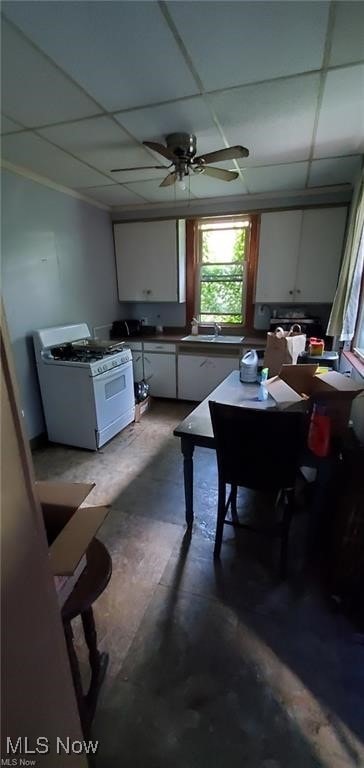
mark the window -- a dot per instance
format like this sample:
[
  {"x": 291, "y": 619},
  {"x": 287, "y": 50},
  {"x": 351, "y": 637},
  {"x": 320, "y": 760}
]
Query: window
[
  {"x": 359, "y": 335},
  {"x": 222, "y": 270}
]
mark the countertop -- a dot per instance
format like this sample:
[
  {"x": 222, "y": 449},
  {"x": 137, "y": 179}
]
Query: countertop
[{"x": 257, "y": 342}]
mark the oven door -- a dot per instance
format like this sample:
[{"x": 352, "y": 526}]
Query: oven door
[{"x": 114, "y": 396}]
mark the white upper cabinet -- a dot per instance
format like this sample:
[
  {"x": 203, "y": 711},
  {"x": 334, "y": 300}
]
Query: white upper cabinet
[
  {"x": 150, "y": 260},
  {"x": 320, "y": 254},
  {"x": 278, "y": 249},
  {"x": 300, "y": 254}
]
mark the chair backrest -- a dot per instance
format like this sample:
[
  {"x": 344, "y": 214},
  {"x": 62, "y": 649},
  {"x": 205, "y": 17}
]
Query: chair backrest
[{"x": 258, "y": 448}]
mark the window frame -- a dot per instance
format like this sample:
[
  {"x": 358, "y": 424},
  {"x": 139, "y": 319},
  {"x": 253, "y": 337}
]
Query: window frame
[{"x": 193, "y": 267}]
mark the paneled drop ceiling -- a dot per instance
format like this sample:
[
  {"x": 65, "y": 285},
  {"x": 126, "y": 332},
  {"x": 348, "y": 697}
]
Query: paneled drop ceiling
[{"x": 85, "y": 83}]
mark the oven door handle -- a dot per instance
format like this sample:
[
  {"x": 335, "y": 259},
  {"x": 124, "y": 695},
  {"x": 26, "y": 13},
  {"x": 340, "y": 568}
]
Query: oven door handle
[{"x": 112, "y": 373}]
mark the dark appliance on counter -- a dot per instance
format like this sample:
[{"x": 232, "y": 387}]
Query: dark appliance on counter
[
  {"x": 125, "y": 328},
  {"x": 311, "y": 326}
]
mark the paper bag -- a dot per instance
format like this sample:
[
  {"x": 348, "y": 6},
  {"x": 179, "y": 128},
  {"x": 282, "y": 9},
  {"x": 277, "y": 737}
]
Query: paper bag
[{"x": 283, "y": 348}]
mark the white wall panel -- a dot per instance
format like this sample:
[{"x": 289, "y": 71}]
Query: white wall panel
[{"x": 57, "y": 267}]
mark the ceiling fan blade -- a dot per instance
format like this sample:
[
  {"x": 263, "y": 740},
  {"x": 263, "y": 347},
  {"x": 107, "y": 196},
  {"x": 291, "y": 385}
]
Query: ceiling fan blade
[
  {"x": 220, "y": 173},
  {"x": 170, "y": 179},
  {"x": 137, "y": 168},
  {"x": 231, "y": 153},
  {"x": 167, "y": 153}
]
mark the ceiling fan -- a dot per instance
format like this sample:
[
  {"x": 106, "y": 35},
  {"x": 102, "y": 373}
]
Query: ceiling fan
[{"x": 180, "y": 150}]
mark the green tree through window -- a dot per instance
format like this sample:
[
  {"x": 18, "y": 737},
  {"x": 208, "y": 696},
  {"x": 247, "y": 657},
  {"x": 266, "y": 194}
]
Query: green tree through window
[{"x": 223, "y": 247}]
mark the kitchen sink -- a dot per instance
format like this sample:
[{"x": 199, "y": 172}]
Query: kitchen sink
[{"x": 220, "y": 339}]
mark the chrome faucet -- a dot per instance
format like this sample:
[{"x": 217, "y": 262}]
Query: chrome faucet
[{"x": 217, "y": 329}]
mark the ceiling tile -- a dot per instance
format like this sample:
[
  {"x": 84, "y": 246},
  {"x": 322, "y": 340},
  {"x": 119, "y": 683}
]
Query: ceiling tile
[
  {"x": 340, "y": 129},
  {"x": 243, "y": 42},
  {"x": 187, "y": 115},
  {"x": 205, "y": 186},
  {"x": 34, "y": 91},
  {"x": 153, "y": 193},
  {"x": 348, "y": 34},
  {"x": 114, "y": 194},
  {"x": 36, "y": 154},
  {"x": 274, "y": 120},
  {"x": 122, "y": 53},
  {"x": 275, "y": 178},
  {"x": 334, "y": 170},
  {"x": 102, "y": 143},
  {"x": 9, "y": 126}
]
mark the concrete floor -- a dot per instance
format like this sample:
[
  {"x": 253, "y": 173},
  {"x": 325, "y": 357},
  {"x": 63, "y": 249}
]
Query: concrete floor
[{"x": 210, "y": 665}]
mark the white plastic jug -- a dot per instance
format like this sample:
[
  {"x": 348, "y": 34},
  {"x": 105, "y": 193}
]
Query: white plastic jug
[{"x": 249, "y": 367}]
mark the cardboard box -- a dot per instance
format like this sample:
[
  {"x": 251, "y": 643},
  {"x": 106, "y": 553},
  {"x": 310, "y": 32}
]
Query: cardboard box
[
  {"x": 141, "y": 408},
  {"x": 64, "y": 584},
  {"x": 70, "y": 528},
  {"x": 301, "y": 384}
]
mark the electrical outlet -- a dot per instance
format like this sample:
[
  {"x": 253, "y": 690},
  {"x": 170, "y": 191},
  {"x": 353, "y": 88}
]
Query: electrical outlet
[{"x": 144, "y": 321}]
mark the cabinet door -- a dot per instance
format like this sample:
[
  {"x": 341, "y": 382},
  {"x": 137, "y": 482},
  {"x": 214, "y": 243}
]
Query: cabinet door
[
  {"x": 138, "y": 370},
  {"x": 160, "y": 374},
  {"x": 146, "y": 260},
  {"x": 198, "y": 375},
  {"x": 278, "y": 254},
  {"x": 320, "y": 254}
]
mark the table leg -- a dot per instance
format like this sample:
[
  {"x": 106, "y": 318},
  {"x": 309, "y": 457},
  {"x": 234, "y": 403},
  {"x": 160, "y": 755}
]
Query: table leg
[
  {"x": 187, "y": 448},
  {"x": 75, "y": 671},
  {"x": 98, "y": 662}
]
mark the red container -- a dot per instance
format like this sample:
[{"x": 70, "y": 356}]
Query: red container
[
  {"x": 316, "y": 346},
  {"x": 319, "y": 432}
]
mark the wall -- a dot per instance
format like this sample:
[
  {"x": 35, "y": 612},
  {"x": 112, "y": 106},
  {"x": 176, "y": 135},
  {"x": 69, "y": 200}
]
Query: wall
[
  {"x": 164, "y": 313},
  {"x": 175, "y": 314},
  {"x": 58, "y": 266}
]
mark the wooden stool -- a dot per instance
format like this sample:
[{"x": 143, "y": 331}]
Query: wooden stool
[{"x": 90, "y": 585}]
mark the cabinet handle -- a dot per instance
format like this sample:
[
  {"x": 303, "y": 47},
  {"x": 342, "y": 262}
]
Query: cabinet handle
[
  {"x": 298, "y": 290},
  {"x": 148, "y": 292},
  {"x": 147, "y": 378},
  {"x": 290, "y": 293},
  {"x": 203, "y": 363},
  {"x": 146, "y": 359}
]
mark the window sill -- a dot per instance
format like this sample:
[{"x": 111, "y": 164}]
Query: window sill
[{"x": 355, "y": 362}]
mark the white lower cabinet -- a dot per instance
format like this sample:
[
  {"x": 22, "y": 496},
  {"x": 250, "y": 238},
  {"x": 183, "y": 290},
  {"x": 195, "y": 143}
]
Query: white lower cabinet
[
  {"x": 198, "y": 375},
  {"x": 160, "y": 373}
]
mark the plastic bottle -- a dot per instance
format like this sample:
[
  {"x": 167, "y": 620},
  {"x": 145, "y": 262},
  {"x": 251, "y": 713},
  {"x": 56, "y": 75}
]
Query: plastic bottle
[
  {"x": 320, "y": 431},
  {"x": 263, "y": 393},
  {"x": 249, "y": 367},
  {"x": 194, "y": 327}
]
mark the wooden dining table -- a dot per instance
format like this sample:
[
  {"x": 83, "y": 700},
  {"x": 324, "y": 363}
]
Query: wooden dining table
[{"x": 196, "y": 428}]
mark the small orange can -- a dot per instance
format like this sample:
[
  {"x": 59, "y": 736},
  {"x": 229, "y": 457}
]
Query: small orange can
[{"x": 316, "y": 346}]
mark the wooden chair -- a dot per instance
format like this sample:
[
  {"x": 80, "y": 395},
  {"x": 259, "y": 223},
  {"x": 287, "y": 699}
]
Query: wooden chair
[{"x": 261, "y": 450}]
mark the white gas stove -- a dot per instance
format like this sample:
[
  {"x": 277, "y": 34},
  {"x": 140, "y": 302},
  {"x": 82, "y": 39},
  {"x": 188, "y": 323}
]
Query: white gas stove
[{"x": 86, "y": 384}]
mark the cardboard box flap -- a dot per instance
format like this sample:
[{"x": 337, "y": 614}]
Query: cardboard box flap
[
  {"x": 334, "y": 384},
  {"x": 299, "y": 377},
  {"x": 281, "y": 391},
  {"x": 72, "y": 542},
  {"x": 70, "y": 495},
  {"x": 59, "y": 501}
]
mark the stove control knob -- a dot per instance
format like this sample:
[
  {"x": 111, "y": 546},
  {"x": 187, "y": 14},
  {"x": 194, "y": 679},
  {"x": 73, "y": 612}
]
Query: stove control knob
[
  {"x": 105, "y": 367},
  {"x": 99, "y": 369},
  {"x": 114, "y": 362}
]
